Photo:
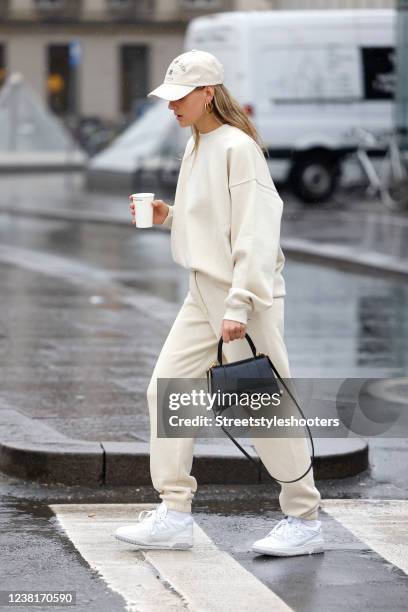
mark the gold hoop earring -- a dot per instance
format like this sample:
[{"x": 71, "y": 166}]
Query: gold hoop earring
[{"x": 208, "y": 108}]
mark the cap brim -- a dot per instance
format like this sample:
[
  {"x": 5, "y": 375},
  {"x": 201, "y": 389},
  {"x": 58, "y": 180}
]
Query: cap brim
[{"x": 171, "y": 92}]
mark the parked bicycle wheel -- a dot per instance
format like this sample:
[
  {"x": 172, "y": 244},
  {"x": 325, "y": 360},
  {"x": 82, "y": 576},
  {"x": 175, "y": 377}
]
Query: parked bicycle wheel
[
  {"x": 390, "y": 181},
  {"x": 394, "y": 180},
  {"x": 395, "y": 195}
]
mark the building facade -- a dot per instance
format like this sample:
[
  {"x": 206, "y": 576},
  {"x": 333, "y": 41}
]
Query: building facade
[{"x": 101, "y": 57}]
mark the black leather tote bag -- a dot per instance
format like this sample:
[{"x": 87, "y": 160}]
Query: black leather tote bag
[{"x": 256, "y": 374}]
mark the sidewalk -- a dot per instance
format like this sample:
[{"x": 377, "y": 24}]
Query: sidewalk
[{"x": 65, "y": 432}]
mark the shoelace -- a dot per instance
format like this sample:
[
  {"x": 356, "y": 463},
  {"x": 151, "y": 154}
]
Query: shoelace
[
  {"x": 286, "y": 524},
  {"x": 144, "y": 514},
  {"x": 151, "y": 514}
]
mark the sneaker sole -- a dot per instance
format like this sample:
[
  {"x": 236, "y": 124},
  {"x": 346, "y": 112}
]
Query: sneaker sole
[
  {"x": 175, "y": 546},
  {"x": 292, "y": 552}
]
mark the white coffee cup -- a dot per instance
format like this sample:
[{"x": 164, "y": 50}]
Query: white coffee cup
[{"x": 143, "y": 208}]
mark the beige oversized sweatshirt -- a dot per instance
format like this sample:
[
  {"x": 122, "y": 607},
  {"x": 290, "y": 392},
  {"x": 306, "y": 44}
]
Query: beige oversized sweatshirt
[{"x": 226, "y": 220}]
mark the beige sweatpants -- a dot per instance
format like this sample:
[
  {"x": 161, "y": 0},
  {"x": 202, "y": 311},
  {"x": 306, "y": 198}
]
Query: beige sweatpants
[{"x": 189, "y": 348}]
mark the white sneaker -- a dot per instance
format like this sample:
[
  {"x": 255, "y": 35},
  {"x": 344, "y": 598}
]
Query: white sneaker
[
  {"x": 156, "y": 529},
  {"x": 291, "y": 536}
]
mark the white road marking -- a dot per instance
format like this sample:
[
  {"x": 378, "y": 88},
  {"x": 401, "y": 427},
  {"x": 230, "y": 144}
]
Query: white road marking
[
  {"x": 203, "y": 579},
  {"x": 382, "y": 524}
]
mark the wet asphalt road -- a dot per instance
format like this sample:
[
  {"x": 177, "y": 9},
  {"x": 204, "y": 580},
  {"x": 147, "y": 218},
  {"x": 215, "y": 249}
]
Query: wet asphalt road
[
  {"x": 354, "y": 325},
  {"x": 342, "y": 320}
]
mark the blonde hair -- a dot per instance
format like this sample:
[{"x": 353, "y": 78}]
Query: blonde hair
[{"x": 228, "y": 110}]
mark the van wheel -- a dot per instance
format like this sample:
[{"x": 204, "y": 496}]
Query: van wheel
[{"x": 314, "y": 177}]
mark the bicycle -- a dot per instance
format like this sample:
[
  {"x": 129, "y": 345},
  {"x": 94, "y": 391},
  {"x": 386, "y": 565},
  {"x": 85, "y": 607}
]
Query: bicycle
[{"x": 390, "y": 181}]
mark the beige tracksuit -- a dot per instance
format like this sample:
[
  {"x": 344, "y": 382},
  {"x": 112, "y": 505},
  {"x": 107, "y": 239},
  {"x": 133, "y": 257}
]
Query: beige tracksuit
[{"x": 225, "y": 229}]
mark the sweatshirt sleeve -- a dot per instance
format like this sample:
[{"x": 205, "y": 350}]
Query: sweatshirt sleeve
[
  {"x": 169, "y": 219},
  {"x": 256, "y": 212}
]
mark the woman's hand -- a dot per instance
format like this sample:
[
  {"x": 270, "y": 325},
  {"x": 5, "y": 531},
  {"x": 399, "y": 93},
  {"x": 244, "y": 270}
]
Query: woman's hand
[
  {"x": 160, "y": 211},
  {"x": 232, "y": 330}
]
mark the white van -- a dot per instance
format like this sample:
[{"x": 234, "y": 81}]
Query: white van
[{"x": 306, "y": 78}]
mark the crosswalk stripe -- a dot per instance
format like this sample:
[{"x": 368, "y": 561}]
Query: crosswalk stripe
[
  {"x": 382, "y": 524},
  {"x": 127, "y": 574},
  {"x": 203, "y": 579}
]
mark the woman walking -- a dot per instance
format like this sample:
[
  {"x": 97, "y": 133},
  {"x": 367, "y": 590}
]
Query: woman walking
[{"x": 225, "y": 229}]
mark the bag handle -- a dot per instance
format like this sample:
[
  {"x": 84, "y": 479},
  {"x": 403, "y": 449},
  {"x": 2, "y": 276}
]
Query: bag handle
[
  {"x": 307, "y": 426},
  {"x": 251, "y": 344},
  {"x": 259, "y": 463}
]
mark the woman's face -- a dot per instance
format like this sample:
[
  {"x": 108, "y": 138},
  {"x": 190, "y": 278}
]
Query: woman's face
[{"x": 191, "y": 108}]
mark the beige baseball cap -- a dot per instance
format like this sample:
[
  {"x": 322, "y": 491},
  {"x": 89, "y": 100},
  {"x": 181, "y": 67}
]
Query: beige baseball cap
[{"x": 186, "y": 72}]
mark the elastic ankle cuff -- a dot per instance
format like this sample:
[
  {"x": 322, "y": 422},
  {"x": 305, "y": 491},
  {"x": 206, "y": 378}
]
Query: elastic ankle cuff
[
  {"x": 179, "y": 507},
  {"x": 310, "y": 517}
]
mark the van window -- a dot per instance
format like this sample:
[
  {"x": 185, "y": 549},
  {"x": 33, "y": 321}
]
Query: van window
[{"x": 379, "y": 72}]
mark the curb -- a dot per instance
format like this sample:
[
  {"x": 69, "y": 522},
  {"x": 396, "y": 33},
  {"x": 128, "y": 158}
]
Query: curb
[
  {"x": 32, "y": 450},
  {"x": 346, "y": 258},
  {"x": 343, "y": 257}
]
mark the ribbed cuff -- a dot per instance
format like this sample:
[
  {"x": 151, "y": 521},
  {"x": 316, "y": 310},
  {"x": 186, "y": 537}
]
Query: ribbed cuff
[
  {"x": 179, "y": 506},
  {"x": 237, "y": 314},
  {"x": 168, "y": 220}
]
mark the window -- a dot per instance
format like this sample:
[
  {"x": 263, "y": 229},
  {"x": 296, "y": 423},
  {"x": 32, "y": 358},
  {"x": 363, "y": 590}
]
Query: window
[
  {"x": 134, "y": 74},
  {"x": 379, "y": 76},
  {"x": 59, "y": 82},
  {"x": 118, "y": 3},
  {"x": 200, "y": 4},
  {"x": 2, "y": 65},
  {"x": 49, "y": 4}
]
